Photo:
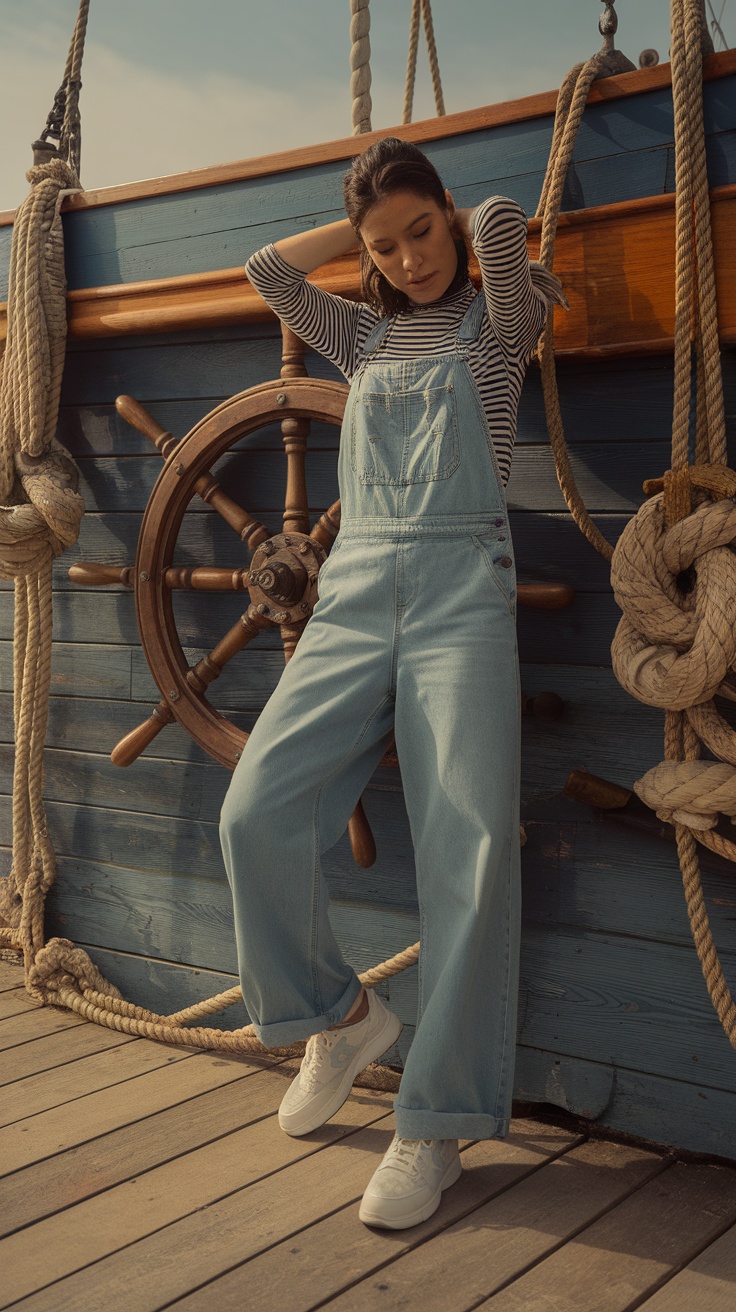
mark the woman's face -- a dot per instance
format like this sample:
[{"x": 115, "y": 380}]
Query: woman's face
[{"x": 408, "y": 237}]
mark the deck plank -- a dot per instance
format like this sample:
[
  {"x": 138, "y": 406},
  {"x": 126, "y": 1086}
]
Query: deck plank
[
  {"x": 60, "y": 1182},
  {"x": 13, "y": 1002},
  {"x": 34, "y": 1024},
  {"x": 86, "y": 1118},
  {"x": 708, "y": 1282},
  {"x": 11, "y": 976},
  {"x": 515, "y": 1228},
  {"x": 230, "y": 1190},
  {"x": 301, "y": 1272},
  {"x": 48, "y": 1089},
  {"x": 629, "y": 1250},
  {"x": 52, "y": 1051},
  {"x": 188, "y": 1194}
]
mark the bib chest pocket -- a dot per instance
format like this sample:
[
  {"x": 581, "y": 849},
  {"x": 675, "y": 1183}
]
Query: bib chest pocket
[{"x": 407, "y": 437}]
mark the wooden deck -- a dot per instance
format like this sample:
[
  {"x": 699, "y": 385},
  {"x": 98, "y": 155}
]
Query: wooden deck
[{"x": 137, "y": 1176}]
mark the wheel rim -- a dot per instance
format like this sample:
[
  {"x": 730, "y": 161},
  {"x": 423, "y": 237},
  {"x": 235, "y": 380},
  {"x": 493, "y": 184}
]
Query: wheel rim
[{"x": 211, "y": 438}]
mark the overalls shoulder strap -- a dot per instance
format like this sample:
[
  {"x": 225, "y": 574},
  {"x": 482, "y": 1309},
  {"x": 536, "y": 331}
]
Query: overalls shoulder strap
[
  {"x": 467, "y": 332},
  {"x": 470, "y": 327},
  {"x": 376, "y": 336}
]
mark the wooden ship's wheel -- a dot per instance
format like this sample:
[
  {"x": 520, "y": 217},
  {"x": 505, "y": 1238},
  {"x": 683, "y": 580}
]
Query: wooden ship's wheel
[{"x": 281, "y": 579}]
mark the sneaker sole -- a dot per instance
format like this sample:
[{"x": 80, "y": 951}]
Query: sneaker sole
[
  {"x": 370, "y": 1214},
  {"x": 297, "y": 1125}
]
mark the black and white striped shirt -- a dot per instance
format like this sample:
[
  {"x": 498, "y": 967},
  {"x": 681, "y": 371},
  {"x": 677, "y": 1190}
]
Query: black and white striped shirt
[{"x": 516, "y": 313}]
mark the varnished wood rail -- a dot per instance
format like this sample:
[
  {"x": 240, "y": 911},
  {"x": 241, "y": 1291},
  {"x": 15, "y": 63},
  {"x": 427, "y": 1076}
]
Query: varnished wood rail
[{"x": 616, "y": 262}]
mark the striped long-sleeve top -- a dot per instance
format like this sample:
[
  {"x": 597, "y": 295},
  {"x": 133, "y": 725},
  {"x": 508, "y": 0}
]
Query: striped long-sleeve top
[{"x": 516, "y": 312}]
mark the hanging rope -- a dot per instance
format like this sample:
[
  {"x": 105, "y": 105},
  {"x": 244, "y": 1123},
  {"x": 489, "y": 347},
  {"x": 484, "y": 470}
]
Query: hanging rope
[
  {"x": 422, "y": 9},
  {"x": 673, "y": 570},
  {"x": 571, "y": 103},
  {"x": 40, "y": 508},
  {"x": 360, "y": 65}
]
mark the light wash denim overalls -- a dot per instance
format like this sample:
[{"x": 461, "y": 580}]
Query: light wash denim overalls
[{"x": 415, "y": 631}]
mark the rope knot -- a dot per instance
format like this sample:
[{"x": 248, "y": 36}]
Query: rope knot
[
  {"x": 676, "y": 585},
  {"x": 59, "y": 965},
  {"x": 52, "y": 170},
  {"x": 691, "y": 793}
]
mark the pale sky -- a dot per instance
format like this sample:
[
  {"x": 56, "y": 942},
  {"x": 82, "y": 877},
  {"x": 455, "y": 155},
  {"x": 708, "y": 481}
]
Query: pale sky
[{"x": 170, "y": 85}]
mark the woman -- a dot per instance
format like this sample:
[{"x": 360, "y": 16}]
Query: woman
[{"x": 414, "y": 633}]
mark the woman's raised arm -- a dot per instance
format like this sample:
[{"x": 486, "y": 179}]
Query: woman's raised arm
[
  {"x": 498, "y": 230},
  {"x": 329, "y": 324},
  {"x": 308, "y": 250}
]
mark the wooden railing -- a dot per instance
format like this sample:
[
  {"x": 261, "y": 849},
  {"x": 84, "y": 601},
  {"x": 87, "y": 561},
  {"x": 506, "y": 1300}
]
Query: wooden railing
[{"x": 616, "y": 262}]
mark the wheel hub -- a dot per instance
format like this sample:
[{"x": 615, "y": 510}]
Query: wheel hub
[{"x": 283, "y": 577}]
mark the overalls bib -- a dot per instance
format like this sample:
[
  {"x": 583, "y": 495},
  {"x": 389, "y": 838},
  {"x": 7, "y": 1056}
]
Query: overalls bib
[{"x": 414, "y": 632}]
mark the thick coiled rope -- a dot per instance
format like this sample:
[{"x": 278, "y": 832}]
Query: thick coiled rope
[
  {"x": 64, "y": 976},
  {"x": 673, "y": 570}
]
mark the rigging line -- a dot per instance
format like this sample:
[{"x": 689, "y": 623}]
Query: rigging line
[{"x": 715, "y": 24}]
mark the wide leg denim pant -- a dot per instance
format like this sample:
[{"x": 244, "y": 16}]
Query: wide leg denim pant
[{"x": 414, "y": 632}]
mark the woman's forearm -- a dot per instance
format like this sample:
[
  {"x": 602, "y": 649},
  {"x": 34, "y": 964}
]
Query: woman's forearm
[
  {"x": 308, "y": 250},
  {"x": 463, "y": 221}
]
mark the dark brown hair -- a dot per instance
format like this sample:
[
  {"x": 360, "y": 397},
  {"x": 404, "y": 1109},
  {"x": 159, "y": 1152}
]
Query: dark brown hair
[{"x": 388, "y": 166}]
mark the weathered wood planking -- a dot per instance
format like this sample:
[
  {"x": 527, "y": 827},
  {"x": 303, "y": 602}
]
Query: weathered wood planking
[
  {"x": 627, "y": 1252},
  {"x": 94, "y": 1114},
  {"x": 183, "y": 1204},
  {"x": 42, "y": 1091},
  {"x": 572, "y": 1224},
  {"x": 609, "y": 479},
  {"x": 569, "y": 881},
  {"x": 586, "y": 627},
  {"x": 667, "y": 1112},
  {"x": 584, "y": 993},
  {"x": 88, "y": 1168},
  {"x": 164, "y": 236},
  {"x": 592, "y": 992},
  {"x": 146, "y": 1214},
  {"x": 181, "y": 376},
  {"x": 13, "y": 1002},
  {"x": 707, "y": 1281},
  {"x": 528, "y": 1214},
  {"x": 54, "y": 1051},
  {"x": 23, "y": 1030}
]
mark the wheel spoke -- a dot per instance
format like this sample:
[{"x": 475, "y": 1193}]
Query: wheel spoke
[
  {"x": 290, "y": 635},
  {"x": 325, "y": 530},
  {"x": 296, "y": 514},
  {"x": 92, "y": 575},
  {"x": 206, "y": 578},
  {"x": 295, "y": 433},
  {"x": 362, "y": 842},
  {"x": 210, "y": 667},
  {"x": 249, "y": 530},
  {"x": 130, "y": 747}
]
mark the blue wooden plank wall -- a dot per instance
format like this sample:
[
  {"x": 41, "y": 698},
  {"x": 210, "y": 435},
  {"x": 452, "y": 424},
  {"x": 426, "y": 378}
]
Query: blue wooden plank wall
[
  {"x": 614, "y": 1022},
  {"x": 624, "y": 150}
]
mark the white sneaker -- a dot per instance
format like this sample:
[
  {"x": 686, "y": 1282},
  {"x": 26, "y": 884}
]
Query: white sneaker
[
  {"x": 407, "y": 1186},
  {"x": 331, "y": 1062}
]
